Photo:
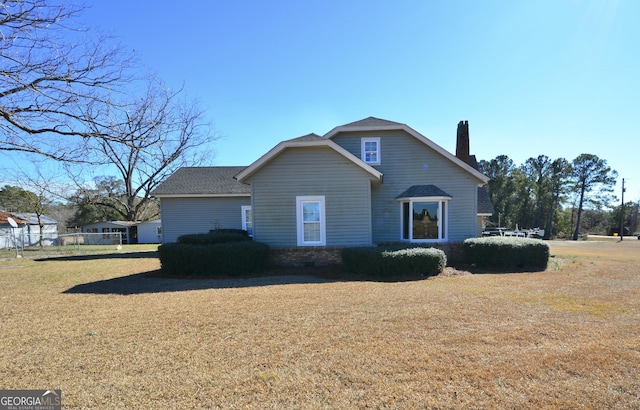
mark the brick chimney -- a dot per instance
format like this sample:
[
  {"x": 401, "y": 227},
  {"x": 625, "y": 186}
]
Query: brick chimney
[{"x": 462, "y": 143}]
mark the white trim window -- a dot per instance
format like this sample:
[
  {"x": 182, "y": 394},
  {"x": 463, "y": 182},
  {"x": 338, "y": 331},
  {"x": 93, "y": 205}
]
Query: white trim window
[
  {"x": 311, "y": 223},
  {"x": 371, "y": 151},
  {"x": 424, "y": 219},
  {"x": 247, "y": 219}
]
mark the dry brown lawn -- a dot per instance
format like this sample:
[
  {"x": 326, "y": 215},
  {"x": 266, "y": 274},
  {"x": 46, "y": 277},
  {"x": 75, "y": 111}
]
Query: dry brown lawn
[{"x": 110, "y": 335}]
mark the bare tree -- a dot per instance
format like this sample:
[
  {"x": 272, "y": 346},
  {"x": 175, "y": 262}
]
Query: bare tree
[
  {"x": 148, "y": 138},
  {"x": 47, "y": 70},
  {"x": 105, "y": 200}
]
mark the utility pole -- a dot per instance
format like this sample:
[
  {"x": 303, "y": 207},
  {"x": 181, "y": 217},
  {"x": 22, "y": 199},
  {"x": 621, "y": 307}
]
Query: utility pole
[{"x": 622, "y": 214}]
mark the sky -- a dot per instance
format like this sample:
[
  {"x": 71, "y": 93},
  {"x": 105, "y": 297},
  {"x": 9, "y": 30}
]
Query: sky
[{"x": 552, "y": 77}]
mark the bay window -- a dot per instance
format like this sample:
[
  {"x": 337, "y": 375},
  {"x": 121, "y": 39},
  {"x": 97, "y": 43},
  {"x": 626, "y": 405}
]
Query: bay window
[{"x": 424, "y": 219}]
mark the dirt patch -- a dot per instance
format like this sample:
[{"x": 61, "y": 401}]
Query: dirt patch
[{"x": 452, "y": 272}]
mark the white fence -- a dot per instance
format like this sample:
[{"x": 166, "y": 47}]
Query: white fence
[
  {"x": 90, "y": 238},
  {"x": 53, "y": 243}
]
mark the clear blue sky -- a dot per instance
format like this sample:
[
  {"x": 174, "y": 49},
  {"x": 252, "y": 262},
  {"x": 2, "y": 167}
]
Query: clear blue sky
[{"x": 553, "y": 77}]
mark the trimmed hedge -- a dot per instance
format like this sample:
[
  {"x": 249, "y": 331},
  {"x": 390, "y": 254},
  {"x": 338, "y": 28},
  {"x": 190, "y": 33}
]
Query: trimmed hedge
[
  {"x": 215, "y": 237},
  {"x": 228, "y": 230},
  {"x": 217, "y": 260},
  {"x": 390, "y": 264},
  {"x": 507, "y": 253}
]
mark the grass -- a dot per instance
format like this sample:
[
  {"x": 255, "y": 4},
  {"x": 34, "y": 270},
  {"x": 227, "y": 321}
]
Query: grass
[
  {"x": 35, "y": 252},
  {"x": 111, "y": 335}
]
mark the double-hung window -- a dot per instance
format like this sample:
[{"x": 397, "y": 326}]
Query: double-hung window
[
  {"x": 371, "y": 150},
  {"x": 311, "y": 222}
]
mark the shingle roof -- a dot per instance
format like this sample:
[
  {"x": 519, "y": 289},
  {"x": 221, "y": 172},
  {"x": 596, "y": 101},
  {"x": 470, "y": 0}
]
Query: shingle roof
[
  {"x": 484, "y": 201},
  {"x": 485, "y": 207},
  {"x": 203, "y": 181},
  {"x": 371, "y": 122},
  {"x": 308, "y": 137},
  {"x": 418, "y": 191}
]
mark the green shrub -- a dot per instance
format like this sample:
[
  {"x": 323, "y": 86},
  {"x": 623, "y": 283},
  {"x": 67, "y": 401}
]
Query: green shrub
[
  {"x": 215, "y": 237},
  {"x": 217, "y": 260},
  {"x": 389, "y": 264},
  {"x": 226, "y": 231},
  {"x": 507, "y": 253}
]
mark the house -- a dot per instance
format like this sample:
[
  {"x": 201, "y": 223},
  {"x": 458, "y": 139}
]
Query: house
[
  {"x": 8, "y": 235},
  {"x": 29, "y": 232},
  {"x": 105, "y": 232},
  {"x": 131, "y": 232},
  {"x": 150, "y": 231},
  {"x": 364, "y": 183}
]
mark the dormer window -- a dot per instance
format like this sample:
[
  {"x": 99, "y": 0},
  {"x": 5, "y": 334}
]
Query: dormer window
[{"x": 371, "y": 151}]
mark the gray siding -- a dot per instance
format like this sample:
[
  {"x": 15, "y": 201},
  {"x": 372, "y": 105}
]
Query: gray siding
[
  {"x": 311, "y": 171},
  {"x": 199, "y": 215},
  {"x": 405, "y": 161}
]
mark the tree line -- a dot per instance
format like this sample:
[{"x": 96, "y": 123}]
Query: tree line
[{"x": 565, "y": 198}]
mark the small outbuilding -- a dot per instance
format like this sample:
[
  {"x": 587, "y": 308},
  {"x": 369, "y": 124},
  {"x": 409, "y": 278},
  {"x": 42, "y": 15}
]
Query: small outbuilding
[
  {"x": 132, "y": 232},
  {"x": 29, "y": 231},
  {"x": 127, "y": 230}
]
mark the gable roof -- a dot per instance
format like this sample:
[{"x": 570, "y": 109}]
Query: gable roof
[
  {"x": 310, "y": 140},
  {"x": 377, "y": 124},
  {"x": 203, "y": 182}
]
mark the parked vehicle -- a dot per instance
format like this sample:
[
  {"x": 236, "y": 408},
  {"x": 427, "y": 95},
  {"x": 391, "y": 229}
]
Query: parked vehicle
[{"x": 536, "y": 233}]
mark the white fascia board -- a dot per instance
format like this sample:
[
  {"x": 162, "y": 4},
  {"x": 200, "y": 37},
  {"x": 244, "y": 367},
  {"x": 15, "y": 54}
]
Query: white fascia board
[
  {"x": 419, "y": 137},
  {"x": 305, "y": 144},
  {"x": 201, "y": 195},
  {"x": 424, "y": 198}
]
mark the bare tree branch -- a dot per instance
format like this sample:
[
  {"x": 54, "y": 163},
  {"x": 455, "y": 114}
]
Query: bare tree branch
[
  {"x": 147, "y": 138},
  {"x": 47, "y": 71}
]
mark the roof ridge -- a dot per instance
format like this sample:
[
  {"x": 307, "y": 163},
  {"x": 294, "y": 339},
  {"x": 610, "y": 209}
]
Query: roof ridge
[
  {"x": 309, "y": 137},
  {"x": 371, "y": 121}
]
